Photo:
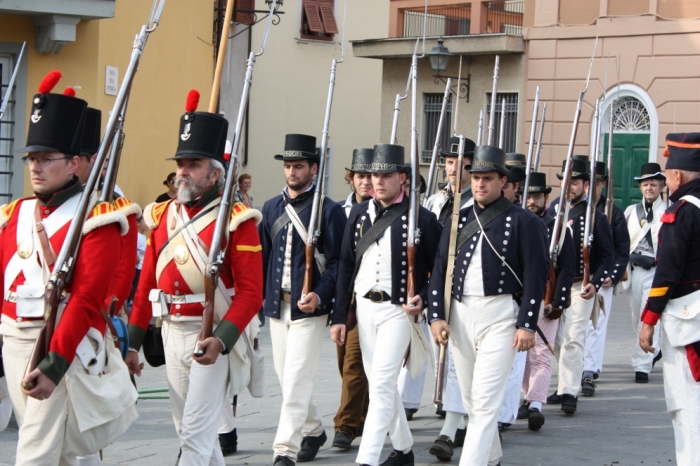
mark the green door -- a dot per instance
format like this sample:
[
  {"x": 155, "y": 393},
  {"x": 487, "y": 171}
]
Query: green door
[{"x": 630, "y": 151}]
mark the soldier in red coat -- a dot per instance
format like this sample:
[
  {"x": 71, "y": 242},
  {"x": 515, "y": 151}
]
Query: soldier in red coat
[
  {"x": 32, "y": 233},
  {"x": 171, "y": 286}
]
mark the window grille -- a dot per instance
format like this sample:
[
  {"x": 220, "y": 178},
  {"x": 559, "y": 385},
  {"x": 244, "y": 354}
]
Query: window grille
[
  {"x": 432, "y": 106},
  {"x": 510, "y": 137}
]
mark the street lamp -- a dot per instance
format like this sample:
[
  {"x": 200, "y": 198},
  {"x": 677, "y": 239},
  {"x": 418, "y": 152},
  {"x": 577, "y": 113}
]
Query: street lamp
[
  {"x": 439, "y": 58},
  {"x": 278, "y": 5}
]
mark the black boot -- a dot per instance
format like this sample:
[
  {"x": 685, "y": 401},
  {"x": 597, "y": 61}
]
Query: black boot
[
  {"x": 399, "y": 458},
  {"x": 568, "y": 404},
  {"x": 309, "y": 447},
  {"x": 228, "y": 443}
]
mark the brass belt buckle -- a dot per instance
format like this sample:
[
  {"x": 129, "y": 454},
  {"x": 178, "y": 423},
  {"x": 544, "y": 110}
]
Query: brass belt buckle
[
  {"x": 287, "y": 297},
  {"x": 376, "y": 296},
  {"x": 177, "y": 299}
]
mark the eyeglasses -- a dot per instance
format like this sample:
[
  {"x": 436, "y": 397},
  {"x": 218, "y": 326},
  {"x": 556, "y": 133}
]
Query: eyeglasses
[{"x": 42, "y": 162}]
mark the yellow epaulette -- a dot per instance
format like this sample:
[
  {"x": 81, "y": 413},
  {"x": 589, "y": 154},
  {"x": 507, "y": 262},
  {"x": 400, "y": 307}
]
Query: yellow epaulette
[
  {"x": 7, "y": 210},
  {"x": 240, "y": 213},
  {"x": 153, "y": 213},
  {"x": 102, "y": 214},
  {"x": 126, "y": 207}
]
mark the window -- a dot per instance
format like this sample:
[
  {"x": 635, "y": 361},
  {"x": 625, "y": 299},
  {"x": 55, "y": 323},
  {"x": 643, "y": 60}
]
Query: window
[
  {"x": 432, "y": 106},
  {"x": 510, "y": 136},
  {"x": 6, "y": 131},
  {"x": 318, "y": 20}
]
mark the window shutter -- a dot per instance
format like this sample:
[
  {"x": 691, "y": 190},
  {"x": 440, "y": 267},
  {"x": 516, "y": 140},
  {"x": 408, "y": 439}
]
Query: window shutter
[
  {"x": 244, "y": 18},
  {"x": 313, "y": 18},
  {"x": 328, "y": 17}
]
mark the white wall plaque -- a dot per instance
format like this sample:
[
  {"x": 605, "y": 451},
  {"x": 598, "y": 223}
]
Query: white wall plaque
[{"x": 111, "y": 76}]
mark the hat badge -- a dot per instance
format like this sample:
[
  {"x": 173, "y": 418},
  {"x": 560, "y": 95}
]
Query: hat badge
[
  {"x": 190, "y": 108},
  {"x": 46, "y": 85}
]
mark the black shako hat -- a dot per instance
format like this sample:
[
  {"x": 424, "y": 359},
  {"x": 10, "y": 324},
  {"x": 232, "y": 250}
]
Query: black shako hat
[
  {"x": 600, "y": 173},
  {"x": 683, "y": 151},
  {"x": 516, "y": 174},
  {"x": 580, "y": 168},
  {"x": 489, "y": 159},
  {"x": 387, "y": 158},
  {"x": 57, "y": 120},
  {"x": 361, "y": 160},
  {"x": 650, "y": 171},
  {"x": 453, "y": 148},
  {"x": 299, "y": 147},
  {"x": 538, "y": 184},
  {"x": 202, "y": 134},
  {"x": 92, "y": 132},
  {"x": 516, "y": 159}
]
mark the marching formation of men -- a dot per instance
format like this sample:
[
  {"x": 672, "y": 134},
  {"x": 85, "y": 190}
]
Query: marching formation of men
[{"x": 482, "y": 284}]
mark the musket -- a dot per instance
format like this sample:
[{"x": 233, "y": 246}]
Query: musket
[
  {"x": 611, "y": 188},
  {"x": 68, "y": 255},
  {"x": 414, "y": 205},
  {"x": 432, "y": 178},
  {"x": 564, "y": 201},
  {"x": 314, "y": 228},
  {"x": 219, "y": 243},
  {"x": 397, "y": 108},
  {"x": 530, "y": 147},
  {"x": 501, "y": 130},
  {"x": 449, "y": 275},
  {"x": 592, "y": 201},
  {"x": 11, "y": 84},
  {"x": 492, "y": 113},
  {"x": 538, "y": 151},
  {"x": 481, "y": 128},
  {"x": 110, "y": 180}
]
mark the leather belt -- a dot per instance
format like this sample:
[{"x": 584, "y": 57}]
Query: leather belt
[
  {"x": 377, "y": 296},
  {"x": 191, "y": 298},
  {"x": 11, "y": 296},
  {"x": 643, "y": 261},
  {"x": 286, "y": 297}
]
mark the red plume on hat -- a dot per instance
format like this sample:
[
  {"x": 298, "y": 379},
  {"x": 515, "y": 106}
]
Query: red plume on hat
[
  {"x": 49, "y": 81},
  {"x": 192, "y": 101},
  {"x": 69, "y": 91}
]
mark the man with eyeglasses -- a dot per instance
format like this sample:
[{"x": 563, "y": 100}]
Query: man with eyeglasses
[{"x": 32, "y": 232}]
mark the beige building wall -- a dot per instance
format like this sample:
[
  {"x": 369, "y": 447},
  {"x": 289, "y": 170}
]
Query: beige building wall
[
  {"x": 290, "y": 89},
  {"x": 178, "y": 57},
  {"x": 659, "y": 61}
]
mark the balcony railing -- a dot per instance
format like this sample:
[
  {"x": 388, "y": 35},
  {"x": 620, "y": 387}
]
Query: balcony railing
[
  {"x": 505, "y": 16},
  {"x": 441, "y": 21}
]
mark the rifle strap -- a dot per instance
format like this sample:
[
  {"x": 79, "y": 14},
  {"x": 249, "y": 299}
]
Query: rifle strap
[
  {"x": 46, "y": 249},
  {"x": 375, "y": 232},
  {"x": 182, "y": 227},
  {"x": 284, "y": 219},
  {"x": 487, "y": 216},
  {"x": 547, "y": 219}
]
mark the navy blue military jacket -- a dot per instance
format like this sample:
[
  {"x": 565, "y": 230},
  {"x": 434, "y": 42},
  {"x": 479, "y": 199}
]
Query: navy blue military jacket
[
  {"x": 332, "y": 226},
  {"x": 565, "y": 265},
  {"x": 519, "y": 236},
  {"x": 359, "y": 222},
  {"x": 602, "y": 254},
  {"x": 678, "y": 259},
  {"x": 621, "y": 240}
]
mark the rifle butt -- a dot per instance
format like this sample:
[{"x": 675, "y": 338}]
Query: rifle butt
[
  {"x": 440, "y": 378},
  {"x": 39, "y": 352},
  {"x": 551, "y": 283},
  {"x": 308, "y": 272},
  {"x": 208, "y": 314}
]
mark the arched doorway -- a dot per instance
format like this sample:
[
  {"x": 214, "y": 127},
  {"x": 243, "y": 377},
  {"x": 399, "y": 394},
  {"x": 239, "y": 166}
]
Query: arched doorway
[{"x": 635, "y": 137}]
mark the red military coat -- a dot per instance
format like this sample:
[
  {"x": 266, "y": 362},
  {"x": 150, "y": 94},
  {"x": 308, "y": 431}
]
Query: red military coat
[
  {"x": 124, "y": 274},
  {"x": 242, "y": 266},
  {"x": 97, "y": 259}
]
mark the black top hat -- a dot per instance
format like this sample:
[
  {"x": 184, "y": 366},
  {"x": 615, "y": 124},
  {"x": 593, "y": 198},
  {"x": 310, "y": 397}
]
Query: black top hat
[
  {"x": 202, "y": 135},
  {"x": 516, "y": 159},
  {"x": 580, "y": 169},
  {"x": 387, "y": 158},
  {"x": 299, "y": 147},
  {"x": 683, "y": 151},
  {"x": 453, "y": 148},
  {"x": 361, "y": 160},
  {"x": 538, "y": 184},
  {"x": 92, "y": 133},
  {"x": 488, "y": 159},
  {"x": 515, "y": 174},
  {"x": 57, "y": 120},
  {"x": 407, "y": 170},
  {"x": 650, "y": 171},
  {"x": 600, "y": 174}
]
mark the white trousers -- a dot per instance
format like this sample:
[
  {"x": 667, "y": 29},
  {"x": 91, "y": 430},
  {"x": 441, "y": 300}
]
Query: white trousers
[
  {"x": 571, "y": 336},
  {"x": 451, "y": 395},
  {"x": 511, "y": 402},
  {"x": 227, "y": 423},
  {"x": 196, "y": 394},
  {"x": 411, "y": 389},
  {"x": 385, "y": 333},
  {"x": 682, "y": 402},
  {"x": 296, "y": 350},
  {"x": 482, "y": 333},
  {"x": 595, "y": 337},
  {"x": 5, "y": 404},
  {"x": 640, "y": 284}
]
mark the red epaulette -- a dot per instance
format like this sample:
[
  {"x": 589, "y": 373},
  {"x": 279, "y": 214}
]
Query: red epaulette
[{"x": 670, "y": 215}]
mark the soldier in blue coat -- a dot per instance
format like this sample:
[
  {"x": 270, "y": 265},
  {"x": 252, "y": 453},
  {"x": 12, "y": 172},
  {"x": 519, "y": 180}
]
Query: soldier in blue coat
[
  {"x": 496, "y": 290},
  {"x": 373, "y": 277},
  {"x": 297, "y": 323}
]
